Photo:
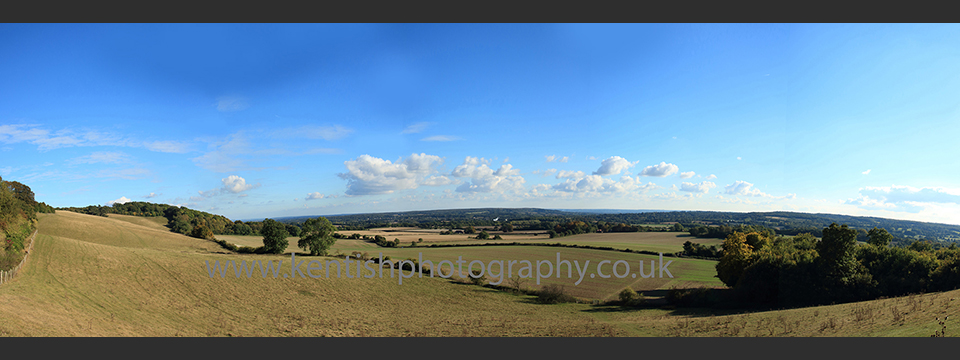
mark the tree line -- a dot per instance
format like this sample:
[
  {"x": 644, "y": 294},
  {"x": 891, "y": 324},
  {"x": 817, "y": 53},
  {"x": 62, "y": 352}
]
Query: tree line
[
  {"x": 804, "y": 270},
  {"x": 18, "y": 219}
]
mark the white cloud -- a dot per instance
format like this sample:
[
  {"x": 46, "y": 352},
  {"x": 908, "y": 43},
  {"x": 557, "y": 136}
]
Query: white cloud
[
  {"x": 866, "y": 172},
  {"x": 121, "y": 200},
  {"x": 903, "y": 194},
  {"x": 552, "y": 158},
  {"x": 232, "y": 103},
  {"x": 328, "y": 133},
  {"x": 649, "y": 186},
  {"x": 236, "y": 184},
  {"x": 484, "y": 179},
  {"x": 368, "y": 175},
  {"x": 702, "y": 187},
  {"x": 415, "y": 128},
  {"x": 743, "y": 188},
  {"x": 738, "y": 158},
  {"x": 563, "y": 174},
  {"x": 439, "y": 180},
  {"x": 612, "y": 166},
  {"x": 711, "y": 177},
  {"x": 441, "y": 138},
  {"x": 104, "y": 157},
  {"x": 597, "y": 183},
  {"x": 177, "y": 147},
  {"x": 313, "y": 196},
  {"x": 660, "y": 170},
  {"x": 687, "y": 175},
  {"x": 152, "y": 195}
]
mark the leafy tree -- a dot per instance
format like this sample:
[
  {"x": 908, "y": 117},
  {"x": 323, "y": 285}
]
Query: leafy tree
[
  {"x": 483, "y": 235},
  {"x": 274, "y": 236},
  {"x": 317, "y": 236},
  {"x": 736, "y": 258},
  {"x": 837, "y": 250},
  {"x": 879, "y": 237},
  {"x": 921, "y": 246},
  {"x": 469, "y": 230},
  {"x": 294, "y": 230},
  {"x": 677, "y": 227},
  {"x": 506, "y": 227},
  {"x": 201, "y": 231}
]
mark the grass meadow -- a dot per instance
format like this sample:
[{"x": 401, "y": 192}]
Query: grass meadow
[{"x": 121, "y": 276}]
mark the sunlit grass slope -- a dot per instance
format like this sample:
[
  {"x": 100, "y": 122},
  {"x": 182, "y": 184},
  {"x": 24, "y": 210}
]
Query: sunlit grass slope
[{"x": 94, "y": 276}]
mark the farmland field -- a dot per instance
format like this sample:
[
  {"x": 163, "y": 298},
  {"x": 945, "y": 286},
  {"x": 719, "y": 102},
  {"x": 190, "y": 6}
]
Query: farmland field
[{"x": 96, "y": 276}]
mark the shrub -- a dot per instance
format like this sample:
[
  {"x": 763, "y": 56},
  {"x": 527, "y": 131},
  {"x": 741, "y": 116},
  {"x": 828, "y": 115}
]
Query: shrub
[
  {"x": 628, "y": 297},
  {"x": 554, "y": 294},
  {"x": 476, "y": 279}
]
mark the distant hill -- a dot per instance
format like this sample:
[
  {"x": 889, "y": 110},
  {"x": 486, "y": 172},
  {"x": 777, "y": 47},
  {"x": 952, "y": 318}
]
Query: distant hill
[{"x": 786, "y": 223}]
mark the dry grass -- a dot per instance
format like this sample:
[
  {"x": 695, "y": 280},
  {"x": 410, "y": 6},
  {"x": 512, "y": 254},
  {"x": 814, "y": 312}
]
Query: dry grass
[{"x": 90, "y": 277}]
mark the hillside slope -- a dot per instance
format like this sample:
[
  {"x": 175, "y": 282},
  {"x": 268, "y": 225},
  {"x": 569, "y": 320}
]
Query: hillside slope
[{"x": 95, "y": 276}]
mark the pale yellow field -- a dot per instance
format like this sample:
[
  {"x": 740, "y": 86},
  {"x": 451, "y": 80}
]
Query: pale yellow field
[{"x": 95, "y": 276}]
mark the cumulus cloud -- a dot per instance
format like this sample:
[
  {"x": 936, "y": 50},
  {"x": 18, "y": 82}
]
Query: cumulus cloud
[
  {"x": 612, "y": 166},
  {"x": 563, "y": 174},
  {"x": 743, "y": 188},
  {"x": 711, "y": 177},
  {"x": 314, "y": 196},
  {"x": 415, "y": 128},
  {"x": 660, "y": 170},
  {"x": 746, "y": 189},
  {"x": 235, "y": 184},
  {"x": 702, "y": 187},
  {"x": 484, "y": 179},
  {"x": 687, "y": 175},
  {"x": 121, "y": 200},
  {"x": 368, "y": 175},
  {"x": 597, "y": 183}
]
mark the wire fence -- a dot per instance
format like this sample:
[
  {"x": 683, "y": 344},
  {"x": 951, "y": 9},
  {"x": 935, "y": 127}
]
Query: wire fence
[{"x": 8, "y": 275}]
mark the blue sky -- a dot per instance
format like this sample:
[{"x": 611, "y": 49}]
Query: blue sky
[{"x": 268, "y": 120}]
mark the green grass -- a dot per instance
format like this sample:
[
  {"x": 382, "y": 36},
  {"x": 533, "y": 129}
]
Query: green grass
[{"x": 686, "y": 272}]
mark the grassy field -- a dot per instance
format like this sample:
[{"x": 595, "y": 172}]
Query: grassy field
[
  {"x": 665, "y": 242},
  {"x": 686, "y": 272},
  {"x": 96, "y": 276}
]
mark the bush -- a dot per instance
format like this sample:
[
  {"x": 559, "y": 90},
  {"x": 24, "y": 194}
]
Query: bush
[
  {"x": 690, "y": 297},
  {"x": 554, "y": 294},
  {"x": 476, "y": 279},
  {"x": 628, "y": 297}
]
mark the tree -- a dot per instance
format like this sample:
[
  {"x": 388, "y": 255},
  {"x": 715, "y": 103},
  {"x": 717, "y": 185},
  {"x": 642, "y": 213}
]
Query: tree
[
  {"x": 201, "y": 231},
  {"x": 317, "y": 236},
  {"x": 483, "y": 235},
  {"x": 677, "y": 227},
  {"x": 736, "y": 258},
  {"x": 293, "y": 230},
  {"x": 274, "y": 236},
  {"x": 879, "y": 237},
  {"x": 837, "y": 259},
  {"x": 469, "y": 230},
  {"x": 506, "y": 227}
]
